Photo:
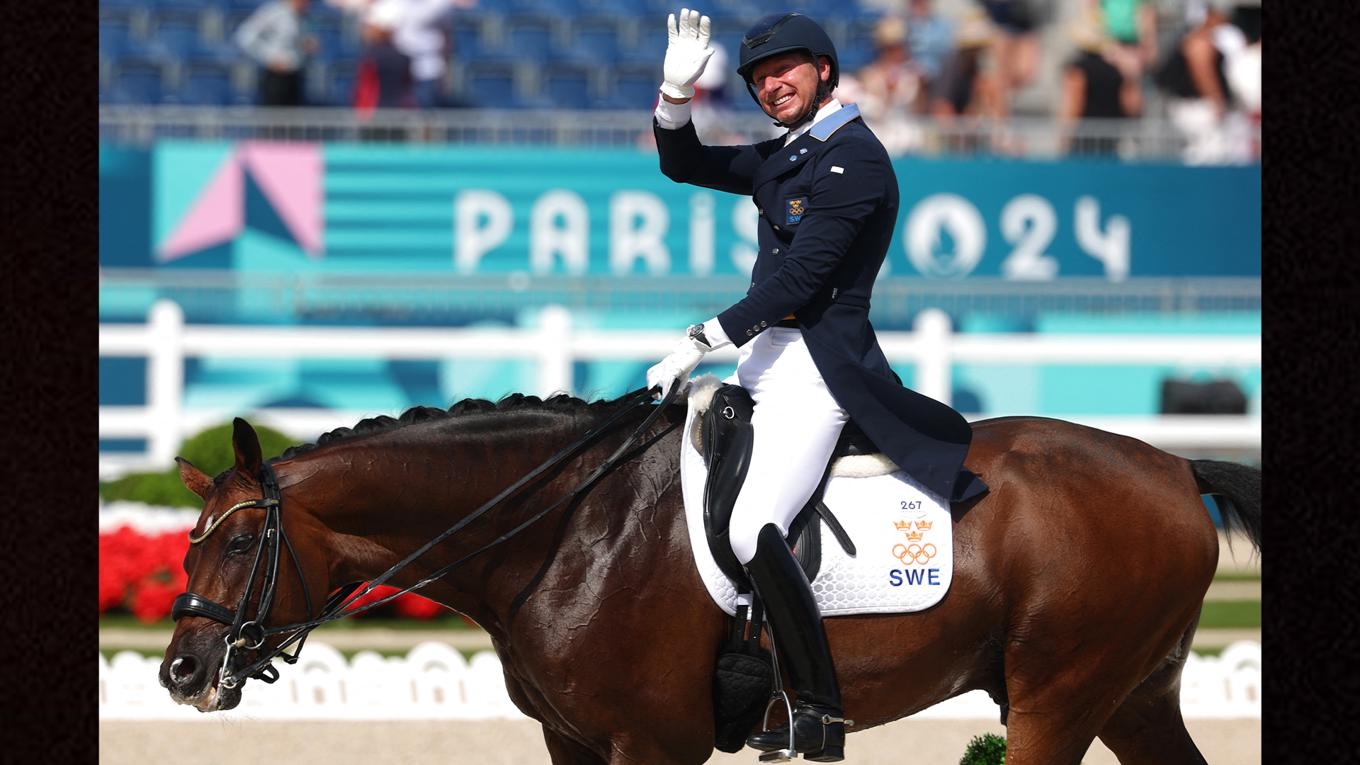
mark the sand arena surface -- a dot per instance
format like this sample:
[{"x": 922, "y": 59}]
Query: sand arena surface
[{"x": 519, "y": 742}]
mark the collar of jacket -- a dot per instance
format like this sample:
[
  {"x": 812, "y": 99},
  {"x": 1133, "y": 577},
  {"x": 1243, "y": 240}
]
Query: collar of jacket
[
  {"x": 783, "y": 159},
  {"x": 834, "y": 121}
]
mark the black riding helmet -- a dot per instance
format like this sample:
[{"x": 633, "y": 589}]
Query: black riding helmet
[{"x": 781, "y": 33}]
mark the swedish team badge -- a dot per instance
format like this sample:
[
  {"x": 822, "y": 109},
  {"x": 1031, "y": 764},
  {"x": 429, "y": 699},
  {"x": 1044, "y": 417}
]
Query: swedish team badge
[{"x": 794, "y": 210}]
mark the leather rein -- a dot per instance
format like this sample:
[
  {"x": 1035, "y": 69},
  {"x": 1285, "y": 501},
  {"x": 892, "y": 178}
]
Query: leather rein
[{"x": 250, "y": 634}]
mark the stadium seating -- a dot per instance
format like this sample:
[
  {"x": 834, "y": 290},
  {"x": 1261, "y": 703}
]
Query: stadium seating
[
  {"x": 569, "y": 85},
  {"x": 206, "y": 83},
  {"x": 505, "y": 53},
  {"x": 492, "y": 84}
]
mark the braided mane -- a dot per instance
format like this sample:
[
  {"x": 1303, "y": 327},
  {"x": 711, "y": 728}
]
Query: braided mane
[{"x": 513, "y": 402}]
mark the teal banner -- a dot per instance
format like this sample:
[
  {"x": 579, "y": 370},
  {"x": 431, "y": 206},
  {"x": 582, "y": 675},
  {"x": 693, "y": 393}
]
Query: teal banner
[{"x": 354, "y": 208}]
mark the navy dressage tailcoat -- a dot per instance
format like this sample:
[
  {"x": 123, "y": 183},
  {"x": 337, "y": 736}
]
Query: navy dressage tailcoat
[{"x": 827, "y": 206}]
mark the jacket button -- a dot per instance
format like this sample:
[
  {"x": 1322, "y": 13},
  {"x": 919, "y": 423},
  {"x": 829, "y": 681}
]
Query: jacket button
[
  {"x": 749, "y": 333},
  {"x": 763, "y": 325},
  {"x": 775, "y": 251},
  {"x": 776, "y": 228}
]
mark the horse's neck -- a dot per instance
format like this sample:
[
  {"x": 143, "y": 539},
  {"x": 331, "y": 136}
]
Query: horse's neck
[{"x": 385, "y": 496}]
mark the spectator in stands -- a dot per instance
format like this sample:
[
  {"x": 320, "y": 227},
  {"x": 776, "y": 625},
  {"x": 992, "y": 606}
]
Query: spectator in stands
[
  {"x": 1015, "y": 49},
  {"x": 930, "y": 39},
  {"x": 1194, "y": 79},
  {"x": 1243, "y": 71},
  {"x": 967, "y": 83},
  {"x": 1132, "y": 27},
  {"x": 423, "y": 35},
  {"x": 383, "y": 78},
  {"x": 275, "y": 37},
  {"x": 1094, "y": 88},
  {"x": 888, "y": 89}
]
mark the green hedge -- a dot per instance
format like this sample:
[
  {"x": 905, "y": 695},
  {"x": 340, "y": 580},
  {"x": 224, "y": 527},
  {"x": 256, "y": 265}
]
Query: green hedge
[
  {"x": 987, "y": 749},
  {"x": 210, "y": 451}
]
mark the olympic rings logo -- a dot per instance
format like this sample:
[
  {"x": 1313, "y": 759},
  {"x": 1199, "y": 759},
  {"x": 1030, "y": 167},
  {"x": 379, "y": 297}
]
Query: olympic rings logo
[{"x": 914, "y": 553}]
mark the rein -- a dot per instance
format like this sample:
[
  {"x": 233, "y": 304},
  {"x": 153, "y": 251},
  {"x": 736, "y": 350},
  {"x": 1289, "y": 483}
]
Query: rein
[{"x": 251, "y": 634}]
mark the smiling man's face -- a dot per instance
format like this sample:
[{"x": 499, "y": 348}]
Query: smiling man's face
[{"x": 786, "y": 84}]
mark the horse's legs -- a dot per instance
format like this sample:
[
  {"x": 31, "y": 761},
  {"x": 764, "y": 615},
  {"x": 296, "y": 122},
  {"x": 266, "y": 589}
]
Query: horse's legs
[
  {"x": 1147, "y": 729},
  {"x": 1054, "y": 736},
  {"x": 1057, "y": 706},
  {"x": 564, "y": 751}
]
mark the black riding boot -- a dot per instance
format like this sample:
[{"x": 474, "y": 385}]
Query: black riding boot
[{"x": 796, "y": 624}]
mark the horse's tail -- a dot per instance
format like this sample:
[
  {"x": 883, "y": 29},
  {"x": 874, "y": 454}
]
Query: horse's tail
[{"x": 1237, "y": 489}]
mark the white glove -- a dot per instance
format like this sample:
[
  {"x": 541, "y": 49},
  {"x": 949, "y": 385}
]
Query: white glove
[
  {"x": 686, "y": 53},
  {"x": 675, "y": 367},
  {"x": 699, "y": 340}
]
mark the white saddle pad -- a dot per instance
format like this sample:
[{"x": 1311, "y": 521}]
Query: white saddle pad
[{"x": 903, "y": 534}]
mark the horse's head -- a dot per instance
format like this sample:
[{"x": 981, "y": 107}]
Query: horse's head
[{"x": 246, "y": 578}]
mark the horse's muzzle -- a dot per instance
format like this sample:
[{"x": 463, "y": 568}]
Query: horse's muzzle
[{"x": 191, "y": 678}]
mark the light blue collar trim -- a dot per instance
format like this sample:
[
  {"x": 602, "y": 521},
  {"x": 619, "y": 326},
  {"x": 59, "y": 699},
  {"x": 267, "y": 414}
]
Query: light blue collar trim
[{"x": 834, "y": 121}]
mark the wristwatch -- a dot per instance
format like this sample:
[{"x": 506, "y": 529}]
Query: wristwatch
[{"x": 696, "y": 333}]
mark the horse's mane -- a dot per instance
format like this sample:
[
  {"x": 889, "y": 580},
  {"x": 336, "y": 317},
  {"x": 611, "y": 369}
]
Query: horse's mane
[{"x": 514, "y": 402}]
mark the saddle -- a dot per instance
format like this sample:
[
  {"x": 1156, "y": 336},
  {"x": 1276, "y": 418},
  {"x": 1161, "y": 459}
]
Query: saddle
[{"x": 726, "y": 441}]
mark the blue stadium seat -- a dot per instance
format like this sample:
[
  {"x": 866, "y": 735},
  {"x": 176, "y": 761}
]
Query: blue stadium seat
[
  {"x": 596, "y": 39},
  {"x": 186, "y": 6},
  {"x": 619, "y": 9},
  {"x": 467, "y": 38},
  {"x": 491, "y": 84},
  {"x": 206, "y": 83},
  {"x": 115, "y": 38},
  {"x": 138, "y": 81},
  {"x": 568, "y": 85},
  {"x": 634, "y": 86},
  {"x": 530, "y": 37},
  {"x": 558, "y": 8},
  {"x": 174, "y": 39}
]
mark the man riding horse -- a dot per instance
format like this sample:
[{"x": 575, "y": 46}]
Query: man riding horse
[{"x": 828, "y": 202}]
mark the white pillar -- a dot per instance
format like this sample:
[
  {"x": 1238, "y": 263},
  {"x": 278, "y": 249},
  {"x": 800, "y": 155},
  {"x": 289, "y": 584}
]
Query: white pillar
[
  {"x": 165, "y": 381},
  {"x": 554, "y": 351},
  {"x": 933, "y": 373}
]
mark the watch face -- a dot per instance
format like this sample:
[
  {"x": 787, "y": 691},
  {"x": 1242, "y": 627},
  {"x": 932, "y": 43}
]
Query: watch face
[{"x": 696, "y": 331}]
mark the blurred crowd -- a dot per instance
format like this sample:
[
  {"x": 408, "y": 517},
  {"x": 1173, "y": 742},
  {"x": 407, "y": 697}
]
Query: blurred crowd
[
  {"x": 1112, "y": 58},
  {"x": 960, "y": 69}
]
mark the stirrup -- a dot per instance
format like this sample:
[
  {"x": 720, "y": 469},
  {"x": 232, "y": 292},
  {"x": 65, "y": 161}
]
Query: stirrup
[{"x": 791, "y": 751}]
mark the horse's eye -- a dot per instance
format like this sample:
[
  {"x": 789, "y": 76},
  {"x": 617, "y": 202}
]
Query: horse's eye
[{"x": 240, "y": 543}]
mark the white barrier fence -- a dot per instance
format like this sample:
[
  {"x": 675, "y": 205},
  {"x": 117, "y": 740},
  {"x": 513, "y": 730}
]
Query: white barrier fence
[
  {"x": 554, "y": 345},
  {"x": 435, "y": 681}
]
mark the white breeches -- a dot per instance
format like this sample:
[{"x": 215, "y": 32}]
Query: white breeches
[{"x": 795, "y": 425}]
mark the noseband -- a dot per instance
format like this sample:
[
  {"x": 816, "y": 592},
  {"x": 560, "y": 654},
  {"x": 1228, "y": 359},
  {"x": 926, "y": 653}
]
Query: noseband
[{"x": 251, "y": 634}]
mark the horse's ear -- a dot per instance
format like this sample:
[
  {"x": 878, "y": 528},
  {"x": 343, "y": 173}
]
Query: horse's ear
[
  {"x": 247, "y": 445},
  {"x": 194, "y": 480}
]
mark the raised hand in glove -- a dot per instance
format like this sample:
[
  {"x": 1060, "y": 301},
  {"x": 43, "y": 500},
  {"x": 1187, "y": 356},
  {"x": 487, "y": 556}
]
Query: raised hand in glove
[
  {"x": 686, "y": 54},
  {"x": 676, "y": 367}
]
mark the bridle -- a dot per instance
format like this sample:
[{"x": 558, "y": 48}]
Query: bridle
[
  {"x": 243, "y": 633},
  {"x": 250, "y": 634}
]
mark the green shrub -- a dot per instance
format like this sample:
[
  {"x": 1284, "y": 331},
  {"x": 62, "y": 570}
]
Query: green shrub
[
  {"x": 210, "y": 451},
  {"x": 987, "y": 749}
]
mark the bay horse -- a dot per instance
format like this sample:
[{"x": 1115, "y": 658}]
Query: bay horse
[{"x": 1078, "y": 581}]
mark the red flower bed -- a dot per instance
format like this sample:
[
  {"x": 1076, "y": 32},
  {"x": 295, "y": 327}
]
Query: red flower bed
[{"x": 142, "y": 574}]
